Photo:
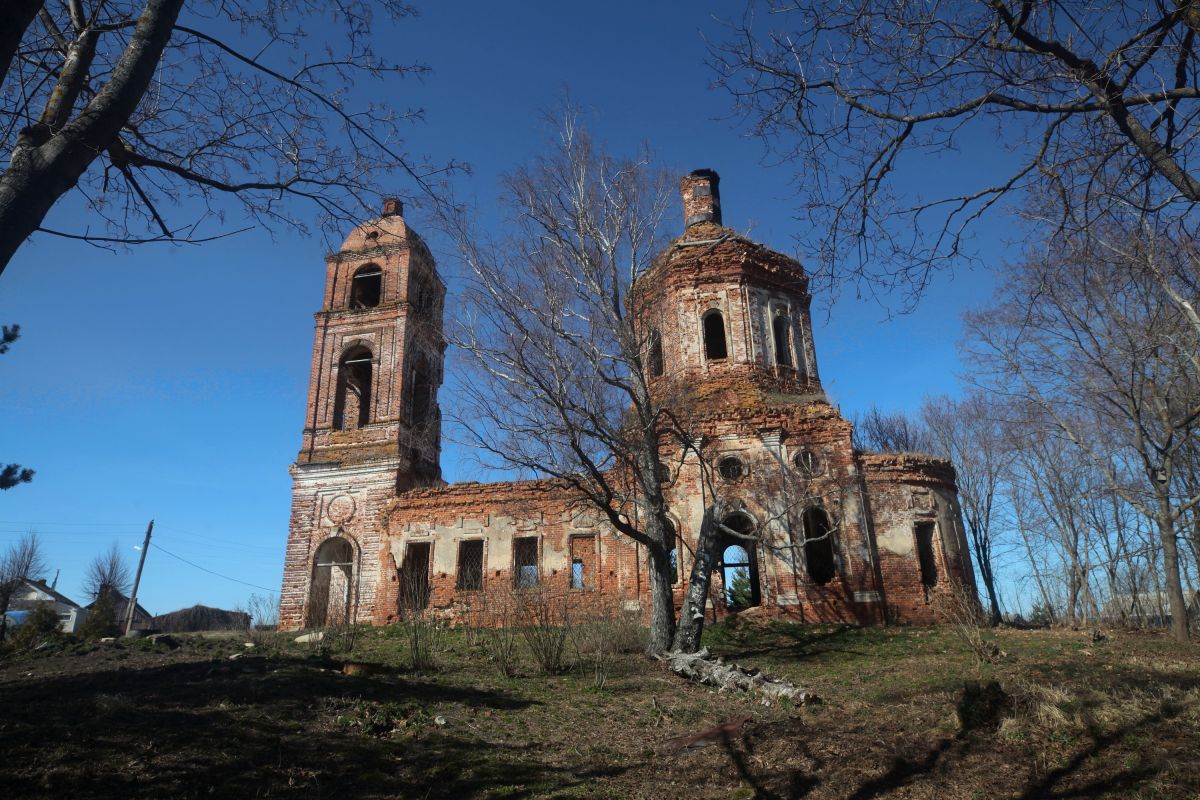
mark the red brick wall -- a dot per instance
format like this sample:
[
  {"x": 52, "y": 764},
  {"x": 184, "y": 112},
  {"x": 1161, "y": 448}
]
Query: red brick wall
[{"x": 359, "y": 484}]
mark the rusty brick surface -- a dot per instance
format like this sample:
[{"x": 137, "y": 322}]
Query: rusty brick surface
[{"x": 378, "y": 486}]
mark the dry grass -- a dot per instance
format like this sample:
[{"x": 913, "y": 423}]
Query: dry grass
[{"x": 1074, "y": 719}]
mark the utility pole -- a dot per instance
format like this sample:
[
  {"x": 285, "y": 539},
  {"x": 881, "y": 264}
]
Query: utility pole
[{"x": 129, "y": 612}]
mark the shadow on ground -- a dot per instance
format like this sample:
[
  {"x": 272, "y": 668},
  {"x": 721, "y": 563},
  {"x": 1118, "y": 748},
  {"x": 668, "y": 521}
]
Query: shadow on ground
[
  {"x": 257, "y": 727},
  {"x": 1088, "y": 772}
]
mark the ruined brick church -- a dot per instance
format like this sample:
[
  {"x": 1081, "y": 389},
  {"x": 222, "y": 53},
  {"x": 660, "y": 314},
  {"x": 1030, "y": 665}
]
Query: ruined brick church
[{"x": 840, "y": 535}]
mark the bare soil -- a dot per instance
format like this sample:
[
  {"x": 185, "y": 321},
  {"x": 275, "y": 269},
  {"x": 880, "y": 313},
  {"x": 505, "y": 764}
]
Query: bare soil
[{"x": 906, "y": 712}]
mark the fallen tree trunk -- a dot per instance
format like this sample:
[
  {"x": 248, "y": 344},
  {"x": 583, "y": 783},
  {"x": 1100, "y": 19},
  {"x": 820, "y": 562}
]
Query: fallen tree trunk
[{"x": 703, "y": 668}]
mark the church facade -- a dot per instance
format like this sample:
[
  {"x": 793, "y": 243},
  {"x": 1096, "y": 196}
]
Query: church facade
[{"x": 835, "y": 535}]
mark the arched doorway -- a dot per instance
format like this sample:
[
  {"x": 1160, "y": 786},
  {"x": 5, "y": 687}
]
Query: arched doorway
[
  {"x": 331, "y": 589},
  {"x": 738, "y": 564}
]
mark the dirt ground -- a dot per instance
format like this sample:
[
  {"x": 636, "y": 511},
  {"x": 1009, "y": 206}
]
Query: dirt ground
[{"x": 906, "y": 712}]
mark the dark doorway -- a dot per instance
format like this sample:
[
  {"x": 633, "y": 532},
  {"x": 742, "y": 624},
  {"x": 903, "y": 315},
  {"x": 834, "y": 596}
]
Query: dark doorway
[
  {"x": 929, "y": 571},
  {"x": 818, "y": 546},
  {"x": 414, "y": 576},
  {"x": 332, "y": 580}
]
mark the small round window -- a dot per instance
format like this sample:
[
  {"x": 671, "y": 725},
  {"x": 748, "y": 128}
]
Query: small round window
[
  {"x": 809, "y": 463},
  {"x": 731, "y": 468}
]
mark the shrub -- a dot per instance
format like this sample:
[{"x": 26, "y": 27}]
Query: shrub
[
  {"x": 40, "y": 626},
  {"x": 421, "y": 628},
  {"x": 101, "y": 620},
  {"x": 599, "y": 638},
  {"x": 496, "y": 632},
  {"x": 545, "y": 622}
]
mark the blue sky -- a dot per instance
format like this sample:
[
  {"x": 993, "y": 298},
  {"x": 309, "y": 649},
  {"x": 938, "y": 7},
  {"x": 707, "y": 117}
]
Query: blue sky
[{"x": 170, "y": 383}]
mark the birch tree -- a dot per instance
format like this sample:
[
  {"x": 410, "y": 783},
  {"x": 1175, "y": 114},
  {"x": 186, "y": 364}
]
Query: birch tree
[{"x": 557, "y": 368}]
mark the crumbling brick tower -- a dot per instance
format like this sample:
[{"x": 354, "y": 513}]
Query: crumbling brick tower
[
  {"x": 373, "y": 425},
  {"x": 729, "y": 335}
]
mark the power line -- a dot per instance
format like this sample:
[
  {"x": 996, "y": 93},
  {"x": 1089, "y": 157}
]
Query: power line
[
  {"x": 78, "y": 524},
  {"x": 210, "y": 572}
]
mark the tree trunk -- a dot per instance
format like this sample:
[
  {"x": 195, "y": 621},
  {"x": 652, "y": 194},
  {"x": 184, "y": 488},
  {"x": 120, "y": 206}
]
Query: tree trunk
[
  {"x": 691, "y": 616},
  {"x": 44, "y": 167},
  {"x": 989, "y": 585},
  {"x": 15, "y": 17},
  {"x": 662, "y": 601},
  {"x": 1166, "y": 532}
]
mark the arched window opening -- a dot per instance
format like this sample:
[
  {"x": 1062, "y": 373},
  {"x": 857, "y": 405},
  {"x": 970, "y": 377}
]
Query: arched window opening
[
  {"x": 330, "y": 590},
  {"x": 818, "y": 546},
  {"x": 730, "y": 468},
  {"x": 422, "y": 392},
  {"x": 714, "y": 336},
  {"x": 782, "y": 327},
  {"x": 414, "y": 577},
  {"x": 809, "y": 463},
  {"x": 929, "y": 571},
  {"x": 366, "y": 287},
  {"x": 352, "y": 402},
  {"x": 738, "y": 567},
  {"x": 655, "y": 356}
]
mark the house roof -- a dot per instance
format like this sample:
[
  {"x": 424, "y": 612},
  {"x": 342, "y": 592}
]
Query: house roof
[
  {"x": 120, "y": 601},
  {"x": 57, "y": 596}
]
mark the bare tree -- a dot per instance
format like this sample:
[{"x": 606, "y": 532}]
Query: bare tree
[
  {"x": 969, "y": 432},
  {"x": 559, "y": 386},
  {"x": 1101, "y": 336},
  {"x": 1095, "y": 103},
  {"x": 107, "y": 573},
  {"x": 21, "y": 560},
  {"x": 879, "y": 431},
  {"x": 136, "y": 104}
]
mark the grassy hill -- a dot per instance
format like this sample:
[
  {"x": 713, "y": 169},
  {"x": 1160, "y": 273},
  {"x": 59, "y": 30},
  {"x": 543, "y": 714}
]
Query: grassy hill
[{"x": 906, "y": 712}]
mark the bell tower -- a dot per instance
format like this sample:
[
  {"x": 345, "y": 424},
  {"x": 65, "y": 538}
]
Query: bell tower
[{"x": 373, "y": 426}]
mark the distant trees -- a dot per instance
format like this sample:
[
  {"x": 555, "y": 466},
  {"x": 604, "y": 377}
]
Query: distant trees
[
  {"x": 136, "y": 104},
  {"x": 23, "y": 559},
  {"x": 1078, "y": 448},
  {"x": 969, "y": 431},
  {"x": 107, "y": 573},
  {"x": 1094, "y": 104},
  {"x": 882, "y": 431},
  {"x": 1100, "y": 339}
]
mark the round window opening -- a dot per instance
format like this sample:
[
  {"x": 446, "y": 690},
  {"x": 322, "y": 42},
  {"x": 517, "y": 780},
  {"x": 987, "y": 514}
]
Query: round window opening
[
  {"x": 731, "y": 468},
  {"x": 809, "y": 463}
]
